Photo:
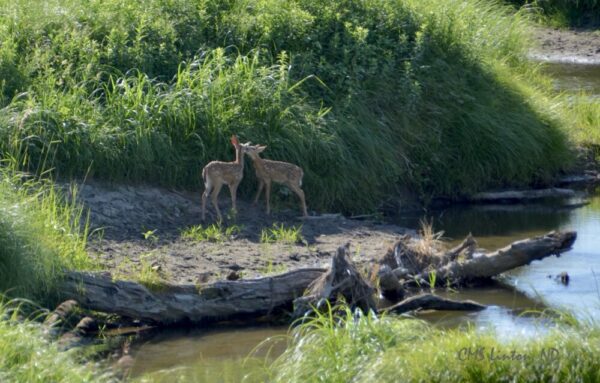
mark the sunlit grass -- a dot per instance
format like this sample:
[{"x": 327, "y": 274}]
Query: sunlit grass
[
  {"x": 369, "y": 349},
  {"x": 215, "y": 232},
  {"x": 281, "y": 234}
]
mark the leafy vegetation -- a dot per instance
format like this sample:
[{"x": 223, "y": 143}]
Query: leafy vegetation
[{"x": 432, "y": 95}]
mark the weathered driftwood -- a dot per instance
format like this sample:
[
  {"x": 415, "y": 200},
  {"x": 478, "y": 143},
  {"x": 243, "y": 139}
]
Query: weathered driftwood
[
  {"x": 341, "y": 279},
  {"x": 468, "y": 246},
  {"x": 432, "y": 302},
  {"x": 188, "y": 303},
  {"x": 522, "y": 195},
  {"x": 512, "y": 256}
]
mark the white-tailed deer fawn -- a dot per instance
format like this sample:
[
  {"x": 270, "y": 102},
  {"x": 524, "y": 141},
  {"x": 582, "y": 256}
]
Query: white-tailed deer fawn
[
  {"x": 268, "y": 171},
  {"x": 217, "y": 173}
]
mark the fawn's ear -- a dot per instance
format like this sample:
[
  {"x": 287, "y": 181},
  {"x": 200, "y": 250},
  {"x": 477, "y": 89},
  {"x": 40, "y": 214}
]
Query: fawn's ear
[
  {"x": 261, "y": 148},
  {"x": 234, "y": 140}
]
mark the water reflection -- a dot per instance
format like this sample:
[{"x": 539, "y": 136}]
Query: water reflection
[{"x": 574, "y": 77}]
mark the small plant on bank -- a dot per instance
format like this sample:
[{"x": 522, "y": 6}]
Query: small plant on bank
[
  {"x": 432, "y": 279},
  {"x": 272, "y": 268},
  {"x": 281, "y": 234},
  {"x": 150, "y": 236},
  {"x": 149, "y": 273},
  {"x": 213, "y": 233}
]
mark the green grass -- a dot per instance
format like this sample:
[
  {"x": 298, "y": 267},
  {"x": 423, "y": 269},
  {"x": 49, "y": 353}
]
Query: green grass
[
  {"x": 583, "y": 113},
  {"x": 41, "y": 236},
  {"x": 215, "y": 232},
  {"x": 281, "y": 234},
  {"x": 26, "y": 355},
  {"x": 369, "y": 349},
  {"x": 432, "y": 96}
]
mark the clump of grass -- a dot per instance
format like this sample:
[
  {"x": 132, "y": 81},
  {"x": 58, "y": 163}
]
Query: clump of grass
[
  {"x": 150, "y": 274},
  {"x": 215, "y": 232},
  {"x": 582, "y": 115},
  {"x": 282, "y": 234},
  {"x": 365, "y": 348},
  {"x": 147, "y": 271},
  {"x": 271, "y": 268},
  {"x": 41, "y": 236},
  {"x": 26, "y": 355}
]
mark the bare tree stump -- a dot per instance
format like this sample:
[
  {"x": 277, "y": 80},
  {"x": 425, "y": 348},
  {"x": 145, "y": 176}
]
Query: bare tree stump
[{"x": 342, "y": 279}]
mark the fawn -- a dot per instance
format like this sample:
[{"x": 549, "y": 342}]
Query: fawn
[
  {"x": 268, "y": 171},
  {"x": 217, "y": 173}
]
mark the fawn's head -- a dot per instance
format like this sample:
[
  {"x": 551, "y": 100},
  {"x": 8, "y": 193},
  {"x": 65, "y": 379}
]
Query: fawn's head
[
  {"x": 244, "y": 148},
  {"x": 254, "y": 150}
]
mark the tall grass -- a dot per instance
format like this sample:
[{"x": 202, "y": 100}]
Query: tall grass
[
  {"x": 26, "y": 355},
  {"x": 366, "y": 96},
  {"x": 354, "y": 348},
  {"x": 41, "y": 236},
  {"x": 583, "y": 113}
]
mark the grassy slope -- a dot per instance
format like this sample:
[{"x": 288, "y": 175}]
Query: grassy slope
[
  {"x": 40, "y": 237},
  {"x": 366, "y": 95}
]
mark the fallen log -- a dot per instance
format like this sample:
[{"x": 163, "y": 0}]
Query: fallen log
[
  {"x": 516, "y": 254},
  {"x": 522, "y": 195},
  {"x": 432, "y": 302},
  {"x": 188, "y": 303}
]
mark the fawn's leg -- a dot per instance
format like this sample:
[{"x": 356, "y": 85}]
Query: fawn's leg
[
  {"x": 233, "y": 191},
  {"x": 261, "y": 185},
  {"x": 215, "y": 197},
  {"x": 207, "y": 190},
  {"x": 268, "y": 195},
  {"x": 296, "y": 189}
]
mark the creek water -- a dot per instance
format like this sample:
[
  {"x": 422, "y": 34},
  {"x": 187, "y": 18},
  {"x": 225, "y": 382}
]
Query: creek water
[{"x": 526, "y": 288}]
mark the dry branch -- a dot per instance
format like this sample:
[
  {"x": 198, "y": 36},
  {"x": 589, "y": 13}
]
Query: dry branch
[
  {"x": 522, "y": 195},
  {"x": 433, "y": 302}
]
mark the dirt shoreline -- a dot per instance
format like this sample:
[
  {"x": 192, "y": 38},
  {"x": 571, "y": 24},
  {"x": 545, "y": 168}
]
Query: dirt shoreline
[
  {"x": 121, "y": 215},
  {"x": 575, "y": 46}
]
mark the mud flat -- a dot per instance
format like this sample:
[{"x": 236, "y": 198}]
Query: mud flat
[
  {"x": 139, "y": 226},
  {"x": 566, "y": 46}
]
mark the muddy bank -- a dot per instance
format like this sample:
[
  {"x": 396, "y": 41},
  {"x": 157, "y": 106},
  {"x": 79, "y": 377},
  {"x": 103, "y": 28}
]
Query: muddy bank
[
  {"x": 140, "y": 227},
  {"x": 575, "y": 46}
]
